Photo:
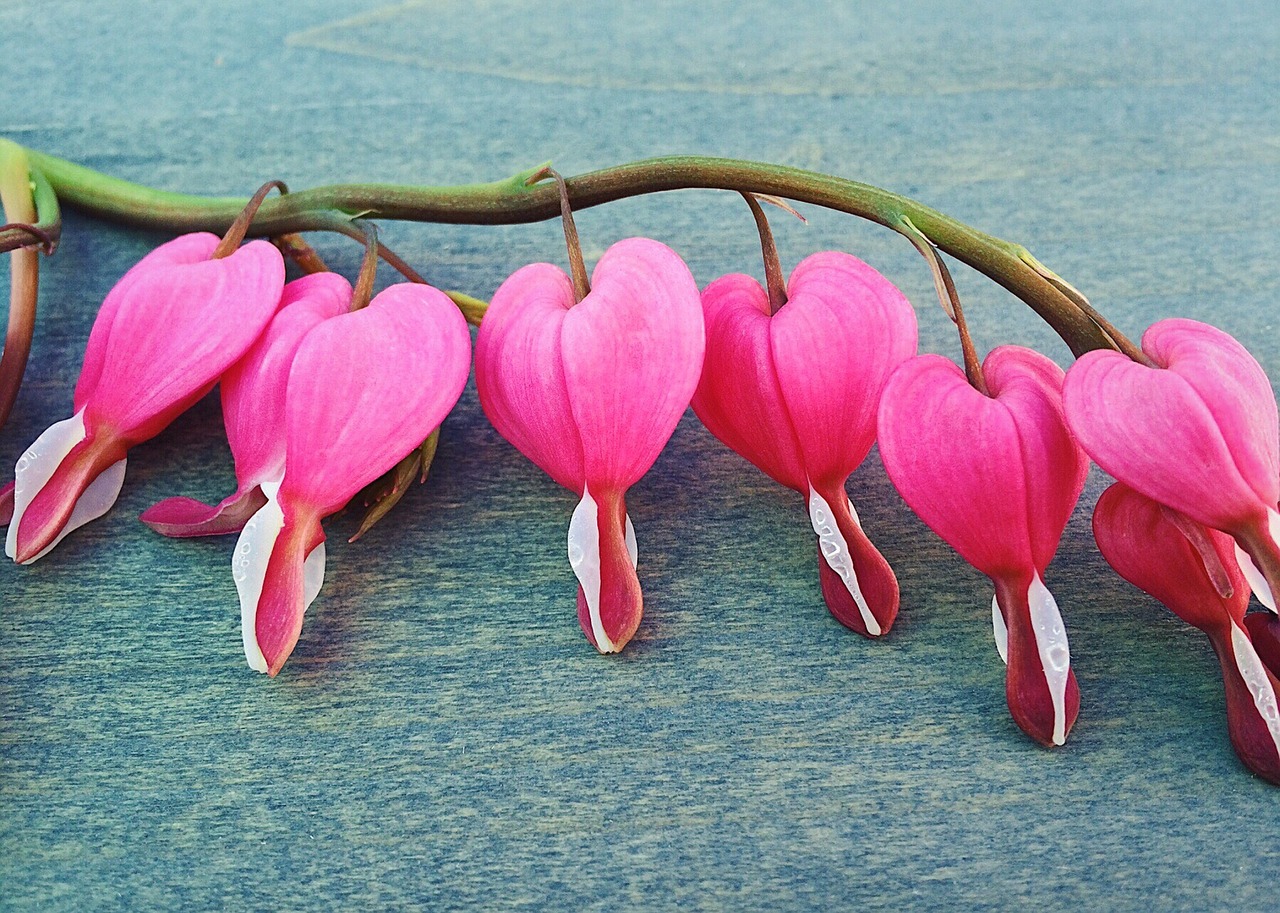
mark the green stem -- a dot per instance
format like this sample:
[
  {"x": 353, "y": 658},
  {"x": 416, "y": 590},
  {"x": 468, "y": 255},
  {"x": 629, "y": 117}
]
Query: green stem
[
  {"x": 18, "y": 204},
  {"x": 512, "y": 201}
]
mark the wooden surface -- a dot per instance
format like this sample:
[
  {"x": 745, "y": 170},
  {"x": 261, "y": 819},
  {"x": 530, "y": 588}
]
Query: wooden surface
[{"x": 444, "y": 737}]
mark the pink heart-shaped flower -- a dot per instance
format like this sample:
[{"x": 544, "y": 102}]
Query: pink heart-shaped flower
[
  {"x": 997, "y": 477},
  {"x": 591, "y": 392},
  {"x": 796, "y": 393}
]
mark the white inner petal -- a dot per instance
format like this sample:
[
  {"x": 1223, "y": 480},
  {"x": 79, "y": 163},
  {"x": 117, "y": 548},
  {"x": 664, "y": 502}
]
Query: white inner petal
[
  {"x": 1255, "y": 679},
  {"x": 999, "y": 629},
  {"x": 249, "y": 570},
  {"x": 835, "y": 551},
  {"x": 632, "y": 549},
  {"x": 36, "y": 467},
  {"x": 1257, "y": 582},
  {"x": 1055, "y": 656},
  {"x": 312, "y": 576},
  {"x": 584, "y": 558}
]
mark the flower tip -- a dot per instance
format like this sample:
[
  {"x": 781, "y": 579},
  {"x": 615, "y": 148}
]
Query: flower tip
[{"x": 180, "y": 518}]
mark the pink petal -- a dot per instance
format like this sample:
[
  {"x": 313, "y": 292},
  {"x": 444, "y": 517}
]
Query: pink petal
[
  {"x": 996, "y": 477},
  {"x": 367, "y": 387},
  {"x": 278, "y": 568},
  {"x": 632, "y": 354},
  {"x": 253, "y": 389},
  {"x": 6, "y": 504},
  {"x": 835, "y": 342},
  {"x": 1198, "y": 435},
  {"x": 955, "y": 457},
  {"x": 520, "y": 371},
  {"x": 1029, "y": 385},
  {"x": 176, "y": 329},
  {"x": 182, "y": 518},
  {"x": 1139, "y": 539},
  {"x": 181, "y": 251},
  {"x": 738, "y": 396}
]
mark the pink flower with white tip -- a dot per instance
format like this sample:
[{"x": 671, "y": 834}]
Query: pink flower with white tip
[
  {"x": 1196, "y": 430},
  {"x": 996, "y": 475},
  {"x": 364, "y": 389},
  {"x": 253, "y": 410},
  {"x": 1192, "y": 570},
  {"x": 164, "y": 334},
  {"x": 796, "y": 393},
  {"x": 591, "y": 391}
]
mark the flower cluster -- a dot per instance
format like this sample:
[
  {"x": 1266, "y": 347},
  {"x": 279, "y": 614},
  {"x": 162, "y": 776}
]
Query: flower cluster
[
  {"x": 589, "y": 379},
  {"x": 314, "y": 402}
]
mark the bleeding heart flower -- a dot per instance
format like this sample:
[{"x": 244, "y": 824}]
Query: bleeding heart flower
[
  {"x": 364, "y": 389},
  {"x": 253, "y": 410},
  {"x": 591, "y": 392},
  {"x": 1197, "y": 432},
  {"x": 996, "y": 477},
  {"x": 796, "y": 393},
  {"x": 1191, "y": 569},
  {"x": 164, "y": 334}
]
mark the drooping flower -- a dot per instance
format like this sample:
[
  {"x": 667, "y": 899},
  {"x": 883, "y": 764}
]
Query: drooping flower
[
  {"x": 164, "y": 334},
  {"x": 1192, "y": 570},
  {"x": 591, "y": 392},
  {"x": 796, "y": 393},
  {"x": 364, "y": 389},
  {"x": 253, "y": 410},
  {"x": 1197, "y": 432},
  {"x": 996, "y": 477}
]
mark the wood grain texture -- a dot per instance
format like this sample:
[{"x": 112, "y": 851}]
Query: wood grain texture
[{"x": 444, "y": 737}]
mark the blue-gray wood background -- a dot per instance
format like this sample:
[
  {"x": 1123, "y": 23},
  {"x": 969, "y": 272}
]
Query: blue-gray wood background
[{"x": 444, "y": 737}]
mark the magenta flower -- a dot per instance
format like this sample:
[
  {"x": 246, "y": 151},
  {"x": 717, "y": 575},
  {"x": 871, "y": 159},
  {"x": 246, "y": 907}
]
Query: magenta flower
[
  {"x": 1197, "y": 432},
  {"x": 591, "y": 392},
  {"x": 363, "y": 390},
  {"x": 168, "y": 329},
  {"x": 996, "y": 477},
  {"x": 1191, "y": 569},
  {"x": 796, "y": 393},
  {"x": 253, "y": 410}
]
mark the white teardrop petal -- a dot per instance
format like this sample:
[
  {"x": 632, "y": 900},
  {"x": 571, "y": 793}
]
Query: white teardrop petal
[
  {"x": 36, "y": 467},
  {"x": 632, "y": 549},
  {"x": 835, "y": 551},
  {"x": 1254, "y": 674},
  {"x": 312, "y": 576},
  {"x": 249, "y": 569},
  {"x": 1256, "y": 581},
  {"x": 1055, "y": 654},
  {"x": 999, "y": 630},
  {"x": 584, "y": 558}
]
